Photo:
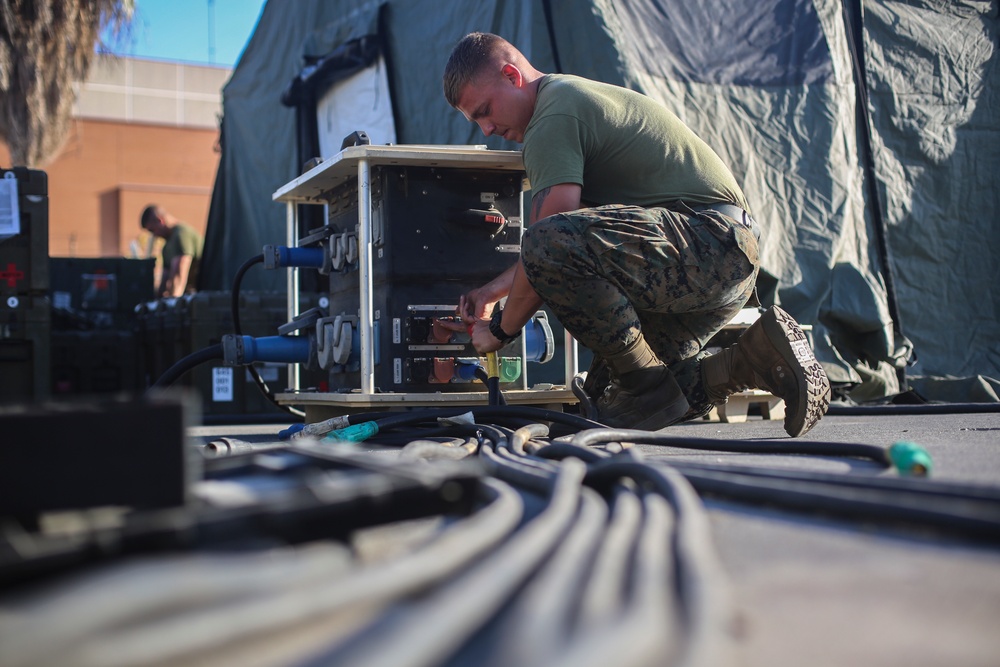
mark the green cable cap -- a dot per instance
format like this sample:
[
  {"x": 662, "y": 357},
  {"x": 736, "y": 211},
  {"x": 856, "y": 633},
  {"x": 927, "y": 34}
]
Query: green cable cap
[
  {"x": 353, "y": 433},
  {"x": 510, "y": 369},
  {"x": 910, "y": 459}
]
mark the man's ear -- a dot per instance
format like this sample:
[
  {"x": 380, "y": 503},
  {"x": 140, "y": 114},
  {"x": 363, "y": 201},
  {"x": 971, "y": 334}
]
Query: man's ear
[{"x": 512, "y": 74}]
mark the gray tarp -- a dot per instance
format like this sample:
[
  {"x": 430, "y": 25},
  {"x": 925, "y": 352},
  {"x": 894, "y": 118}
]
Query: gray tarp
[
  {"x": 773, "y": 87},
  {"x": 934, "y": 77}
]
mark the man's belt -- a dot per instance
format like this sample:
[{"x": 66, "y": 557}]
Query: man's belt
[{"x": 734, "y": 212}]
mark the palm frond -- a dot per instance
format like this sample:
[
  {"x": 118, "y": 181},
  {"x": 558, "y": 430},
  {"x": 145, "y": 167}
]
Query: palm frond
[{"x": 45, "y": 47}]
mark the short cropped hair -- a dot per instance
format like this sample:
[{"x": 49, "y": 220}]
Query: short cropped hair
[
  {"x": 467, "y": 60},
  {"x": 150, "y": 214}
]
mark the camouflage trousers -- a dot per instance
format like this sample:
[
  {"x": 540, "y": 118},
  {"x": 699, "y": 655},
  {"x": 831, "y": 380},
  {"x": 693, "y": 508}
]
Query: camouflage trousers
[{"x": 613, "y": 272}]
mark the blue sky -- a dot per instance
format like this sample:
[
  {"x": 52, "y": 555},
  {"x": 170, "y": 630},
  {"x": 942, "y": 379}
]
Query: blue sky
[{"x": 180, "y": 30}]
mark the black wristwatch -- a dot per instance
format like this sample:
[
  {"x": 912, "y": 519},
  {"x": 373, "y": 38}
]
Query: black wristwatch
[{"x": 498, "y": 332}]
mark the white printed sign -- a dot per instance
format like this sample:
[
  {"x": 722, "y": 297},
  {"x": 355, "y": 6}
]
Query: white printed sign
[
  {"x": 222, "y": 384},
  {"x": 10, "y": 216}
]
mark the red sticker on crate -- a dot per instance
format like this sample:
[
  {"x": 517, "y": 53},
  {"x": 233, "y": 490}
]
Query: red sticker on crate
[{"x": 12, "y": 274}]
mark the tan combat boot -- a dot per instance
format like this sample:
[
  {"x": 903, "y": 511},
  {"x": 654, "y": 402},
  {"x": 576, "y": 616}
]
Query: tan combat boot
[
  {"x": 773, "y": 354},
  {"x": 642, "y": 393}
]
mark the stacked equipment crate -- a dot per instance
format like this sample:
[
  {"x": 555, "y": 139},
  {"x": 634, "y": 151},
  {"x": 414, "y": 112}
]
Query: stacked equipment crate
[
  {"x": 94, "y": 327},
  {"x": 25, "y": 314}
]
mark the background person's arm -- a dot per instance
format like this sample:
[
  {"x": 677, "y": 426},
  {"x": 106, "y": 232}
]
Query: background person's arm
[{"x": 176, "y": 280}]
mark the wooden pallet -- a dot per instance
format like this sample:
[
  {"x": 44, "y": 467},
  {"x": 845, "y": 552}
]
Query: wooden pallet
[{"x": 735, "y": 410}]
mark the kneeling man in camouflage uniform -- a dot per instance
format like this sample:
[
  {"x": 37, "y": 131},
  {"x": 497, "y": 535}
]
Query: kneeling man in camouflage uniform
[{"x": 642, "y": 244}]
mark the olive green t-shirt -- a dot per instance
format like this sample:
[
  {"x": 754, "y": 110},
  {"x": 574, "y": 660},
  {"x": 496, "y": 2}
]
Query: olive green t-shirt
[
  {"x": 622, "y": 147},
  {"x": 184, "y": 240}
]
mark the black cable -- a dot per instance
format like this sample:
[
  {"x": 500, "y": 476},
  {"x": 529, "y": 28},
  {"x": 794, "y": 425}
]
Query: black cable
[
  {"x": 542, "y": 616},
  {"x": 605, "y": 596},
  {"x": 526, "y": 434},
  {"x": 807, "y": 448},
  {"x": 557, "y": 451},
  {"x": 978, "y": 520},
  {"x": 701, "y": 605},
  {"x": 484, "y": 433},
  {"x": 586, "y": 408},
  {"x": 517, "y": 472},
  {"x": 917, "y": 487},
  {"x": 234, "y": 303},
  {"x": 182, "y": 366},
  {"x": 495, "y": 396},
  {"x": 971, "y": 511},
  {"x": 234, "y": 295},
  {"x": 397, "y": 438},
  {"x": 433, "y": 626},
  {"x": 913, "y": 409},
  {"x": 703, "y": 601}
]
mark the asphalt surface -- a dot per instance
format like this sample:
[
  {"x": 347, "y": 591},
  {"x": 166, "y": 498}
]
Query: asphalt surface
[
  {"x": 815, "y": 590},
  {"x": 820, "y": 590},
  {"x": 806, "y": 585}
]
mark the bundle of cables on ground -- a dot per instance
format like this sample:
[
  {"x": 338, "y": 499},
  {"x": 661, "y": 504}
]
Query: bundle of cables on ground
[{"x": 497, "y": 535}]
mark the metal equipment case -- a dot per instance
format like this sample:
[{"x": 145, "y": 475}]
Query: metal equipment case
[{"x": 409, "y": 230}]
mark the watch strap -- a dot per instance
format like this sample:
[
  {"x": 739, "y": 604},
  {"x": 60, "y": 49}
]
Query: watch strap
[{"x": 498, "y": 331}]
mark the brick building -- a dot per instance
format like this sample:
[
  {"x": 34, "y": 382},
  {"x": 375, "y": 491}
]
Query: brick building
[{"x": 142, "y": 131}]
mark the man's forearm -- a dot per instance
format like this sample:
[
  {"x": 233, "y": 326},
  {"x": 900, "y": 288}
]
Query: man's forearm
[
  {"x": 500, "y": 286},
  {"x": 179, "y": 270},
  {"x": 522, "y": 302},
  {"x": 477, "y": 304}
]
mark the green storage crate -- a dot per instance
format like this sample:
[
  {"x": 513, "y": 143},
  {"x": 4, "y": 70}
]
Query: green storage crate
[
  {"x": 104, "y": 291},
  {"x": 25, "y": 329},
  {"x": 102, "y": 361},
  {"x": 159, "y": 337}
]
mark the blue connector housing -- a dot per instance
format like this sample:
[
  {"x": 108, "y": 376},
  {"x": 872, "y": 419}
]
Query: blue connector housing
[
  {"x": 243, "y": 350},
  {"x": 539, "y": 344},
  {"x": 465, "y": 369},
  {"x": 281, "y": 257}
]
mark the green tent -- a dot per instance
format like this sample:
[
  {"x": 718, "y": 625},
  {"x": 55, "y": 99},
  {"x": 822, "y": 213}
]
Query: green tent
[{"x": 862, "y": 133}]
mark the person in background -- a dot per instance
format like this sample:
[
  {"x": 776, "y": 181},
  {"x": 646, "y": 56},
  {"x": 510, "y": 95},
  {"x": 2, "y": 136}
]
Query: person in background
[{"x": 181, "y": 255}]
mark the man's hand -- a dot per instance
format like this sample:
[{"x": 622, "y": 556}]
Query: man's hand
[
  {"x": 475, "y": 305},
  {"x": 475, "y": 308},
  {"x": 482, "y": 339},
  {"x": 478, "y": 329}
]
